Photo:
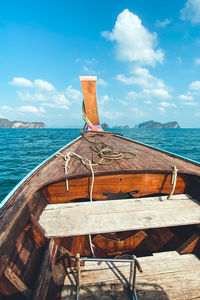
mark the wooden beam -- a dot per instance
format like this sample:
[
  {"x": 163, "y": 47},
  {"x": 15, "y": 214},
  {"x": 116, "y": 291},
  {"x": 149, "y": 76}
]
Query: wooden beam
[
  {"x": 36, "y": 232},
  {"x": 43, "y": 280},
  {"x": 88, "y": 84},
  {"x": 189, "y": 245},
  {"x": 18, "y": 283}
]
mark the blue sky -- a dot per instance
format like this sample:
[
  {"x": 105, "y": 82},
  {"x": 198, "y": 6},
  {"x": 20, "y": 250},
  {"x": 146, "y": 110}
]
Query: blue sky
[{"x": 146, "y": 55}]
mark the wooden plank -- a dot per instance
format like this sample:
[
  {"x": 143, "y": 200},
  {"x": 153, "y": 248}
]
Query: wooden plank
[
  {"x": 182, "y": 285},
  {"x": 43, "y": 280},
  {"x": 189, "y": 245},
  {"x": 124, "y": 205},
  {"x": 164, "y": 214},
  {"x": 153, "y": 266},
  {"x": 18, "y": 283}
]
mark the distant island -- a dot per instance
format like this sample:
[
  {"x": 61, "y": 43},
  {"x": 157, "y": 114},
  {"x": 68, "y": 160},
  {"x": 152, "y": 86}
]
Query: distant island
[
  {"x": 153, "y": 124},
  {"x": 5, "y": 123},
  {"x": 147, "y": 124}
]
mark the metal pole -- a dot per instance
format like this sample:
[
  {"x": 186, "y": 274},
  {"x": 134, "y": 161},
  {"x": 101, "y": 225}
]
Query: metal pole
[
  {"x": 78, "y": 275},
  {"x": 106, "y": 260}
]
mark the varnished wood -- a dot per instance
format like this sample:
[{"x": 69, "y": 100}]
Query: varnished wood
[
  {"x": 36, "y": 231},
  {"x": 190, "y": 245},
  {"x": 145, "y": 184},
  {"x": 112, "y": 247},
  {"x": 89, "y": 95}
]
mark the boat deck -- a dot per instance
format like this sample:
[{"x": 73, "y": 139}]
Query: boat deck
[
  {"x": 145, "y": 159},
  {"x": 119, "y": 215},
  {"x": 166, "y": 275}
]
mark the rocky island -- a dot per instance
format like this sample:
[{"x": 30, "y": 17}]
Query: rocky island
[
  {"x": 153, "y": 124},
  {"x": 147, "y": 124},
  {"x": 5, "y": 123}
]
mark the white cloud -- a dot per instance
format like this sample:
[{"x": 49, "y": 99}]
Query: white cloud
[
  {"x": 147, "y": 102},
  {"x": 61, "y": 101},
  {"x": 151, "y": 85},
  {"x": 26, "y": 96},
  {"x": 161, "y": 109},
  {"x": 45, "y": 92},
  {"x": 110, "y": 115},
  {"x": 73, "y": 94},
  {"x": 132, "y": 95},
  {"x": 185, "y": 97},
  {"x": 122, "y": 102},
  {"x": 31, "y": 109},
  {"x": 137, "y": 112},
  {"x": 102, "y": 82},
  {"x": 22, "y": 82},
  {"x": 195, "y": 85},
  {"x": 159, "y": 93},
  {"x": 133, "y": 41},
  {"x": 166, "y": 104},
  {"x": 38, "y": 83},
  {"x": 163, "y": 23},
  {"x": 197, "y": 60},
  {"x": 43, "y": 85},
  {"x": 105, "y": 98},
  {"x": 5, "y": 107},
  {"x": 191, "y": 11}
]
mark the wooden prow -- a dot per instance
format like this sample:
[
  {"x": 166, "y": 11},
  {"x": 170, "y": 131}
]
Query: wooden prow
[{"x": 88, "y": 84}]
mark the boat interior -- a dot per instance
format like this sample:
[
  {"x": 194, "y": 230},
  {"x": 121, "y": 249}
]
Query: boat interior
[
  {"x": 130, "y": 215},
  {"x": 125, "y": 229}
]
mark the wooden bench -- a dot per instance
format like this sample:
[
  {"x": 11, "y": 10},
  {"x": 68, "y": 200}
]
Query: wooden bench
[{"x": 73, "y": 219}]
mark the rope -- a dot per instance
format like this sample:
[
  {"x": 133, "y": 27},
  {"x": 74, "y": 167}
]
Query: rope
[
  {"x": 103, "y": 152},
  {"x": 86, "y": 162},
  {"x": 173, "y": 181},
  {"x": 106, "y": 154}
]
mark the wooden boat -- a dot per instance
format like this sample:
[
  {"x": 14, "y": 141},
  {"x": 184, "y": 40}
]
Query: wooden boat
[{"x": 85, "y": 220}]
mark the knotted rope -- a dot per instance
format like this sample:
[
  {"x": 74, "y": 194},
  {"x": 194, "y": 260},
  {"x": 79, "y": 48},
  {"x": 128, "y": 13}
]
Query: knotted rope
[{"x": 173, "y": 181}]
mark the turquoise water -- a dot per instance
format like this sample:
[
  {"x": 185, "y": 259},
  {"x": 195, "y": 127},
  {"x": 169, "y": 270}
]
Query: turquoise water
[{"x": 21, "y": 150}]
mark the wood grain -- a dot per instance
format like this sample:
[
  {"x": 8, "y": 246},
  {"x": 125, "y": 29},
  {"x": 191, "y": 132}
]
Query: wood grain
[
  {"x": 116, "y": 216},
  {"x": 89, "y": 95}
]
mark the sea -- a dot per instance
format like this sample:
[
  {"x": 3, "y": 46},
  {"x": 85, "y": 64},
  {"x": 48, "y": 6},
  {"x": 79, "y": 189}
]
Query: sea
[{"x": 21, "y": 150}]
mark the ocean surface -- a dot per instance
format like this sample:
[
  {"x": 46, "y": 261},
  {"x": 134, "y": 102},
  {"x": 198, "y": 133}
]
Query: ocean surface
[{"x": 21, "y": 150}]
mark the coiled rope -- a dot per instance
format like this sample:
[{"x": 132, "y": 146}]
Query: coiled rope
[{"x": 105, "y": 154}]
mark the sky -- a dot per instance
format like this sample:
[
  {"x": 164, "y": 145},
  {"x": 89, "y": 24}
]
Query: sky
[{"x": 145, "y": 54}]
